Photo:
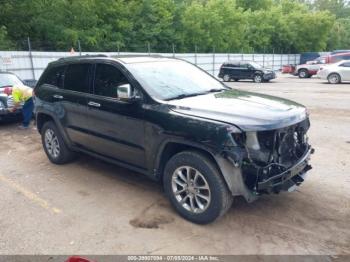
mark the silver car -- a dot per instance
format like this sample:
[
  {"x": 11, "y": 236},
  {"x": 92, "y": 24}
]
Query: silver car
[{"x": 335, "y": 73}]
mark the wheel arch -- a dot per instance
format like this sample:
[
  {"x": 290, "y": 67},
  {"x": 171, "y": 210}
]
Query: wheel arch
[
  {"x": 231, "y": 175},
  {"x": 41, "y": 119},
  {"x": 171, "y": 148}
]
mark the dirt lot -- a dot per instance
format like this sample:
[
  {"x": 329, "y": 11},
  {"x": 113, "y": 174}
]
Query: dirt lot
[{"x": 90, "y": 207}]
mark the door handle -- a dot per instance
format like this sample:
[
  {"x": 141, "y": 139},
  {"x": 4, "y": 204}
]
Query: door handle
[
  {"x": 94, "y": 104},
  {"x": 58, "y": 96}
]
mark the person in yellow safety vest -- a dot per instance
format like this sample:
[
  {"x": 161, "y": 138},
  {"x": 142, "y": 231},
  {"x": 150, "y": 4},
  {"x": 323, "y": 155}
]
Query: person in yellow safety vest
[{"x": 23, "y": 94}]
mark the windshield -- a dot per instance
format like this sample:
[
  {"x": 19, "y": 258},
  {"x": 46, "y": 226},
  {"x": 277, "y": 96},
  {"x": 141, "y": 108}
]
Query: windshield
[
  {"x": 9, "y": 80},
  {"x": 167, "y": 80},
  {"x": 255, "y": 65}
]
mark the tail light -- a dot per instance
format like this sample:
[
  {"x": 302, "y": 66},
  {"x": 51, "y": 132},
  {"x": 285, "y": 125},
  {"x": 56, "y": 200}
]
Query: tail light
[{"x": 6, "y": 90}]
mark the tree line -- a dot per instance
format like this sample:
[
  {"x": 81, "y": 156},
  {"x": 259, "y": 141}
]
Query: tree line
[{"x": 289, "y": 26}]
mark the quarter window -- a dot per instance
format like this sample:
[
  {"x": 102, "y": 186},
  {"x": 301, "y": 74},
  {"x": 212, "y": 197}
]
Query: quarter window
[
  {"x": 77, "y": 78},
  {"x": 54, "y": 77},
  {"x": 107, "y": 80}
]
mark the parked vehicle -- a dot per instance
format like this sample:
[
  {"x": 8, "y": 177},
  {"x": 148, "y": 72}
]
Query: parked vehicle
[
  {"x": 335, "y": 73},
  {"x": 339, "y": 51},
  {"x": 7, "y": 81},
  {"x": 337, "y": 57},
  {"x": 175, "y": 123},
  {"x": 309, "y": 56},
  {"x": 237, "y": 70},
  {"x": 288, "y": 69},
  {"x": 310, "y": 68}
]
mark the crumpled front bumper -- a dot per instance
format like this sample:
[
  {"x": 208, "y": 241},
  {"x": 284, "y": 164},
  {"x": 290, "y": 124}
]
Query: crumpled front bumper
[
  {"x": 269, "y": 76},
  {"x": 290, "y": 178}
]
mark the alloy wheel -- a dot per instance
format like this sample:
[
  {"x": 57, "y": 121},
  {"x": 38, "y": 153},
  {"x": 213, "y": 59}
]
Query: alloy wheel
[
  {"x": 333, "y": 79},
  {"x": 258, "y": 79},
  {"x": 191, "y": 189},
  {"x": 226, "y": 78},
  {"x": 302, "y": 74},
  {"x": 51, "y": 143}
]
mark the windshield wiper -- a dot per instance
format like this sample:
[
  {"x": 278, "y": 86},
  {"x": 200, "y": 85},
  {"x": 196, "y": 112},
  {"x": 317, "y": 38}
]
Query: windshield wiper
[
  {"x": 195, "y": 94},
  {"x": 183, "y": 96},
  {"x": 215, "y": 90}
]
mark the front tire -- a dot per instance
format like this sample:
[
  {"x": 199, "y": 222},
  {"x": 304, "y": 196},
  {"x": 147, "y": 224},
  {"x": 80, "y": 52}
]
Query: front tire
[
  {"x": 54, "y": 145},
  {"x": 258, "y": 78},
  {"x": 303, "y": 73},
  {"x": 195, "y": 187},
  {"x": 334, "y": 78}
]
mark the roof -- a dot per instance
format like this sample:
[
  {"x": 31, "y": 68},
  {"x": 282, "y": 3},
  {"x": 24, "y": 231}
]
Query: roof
[{"x": 125, "y": 59}]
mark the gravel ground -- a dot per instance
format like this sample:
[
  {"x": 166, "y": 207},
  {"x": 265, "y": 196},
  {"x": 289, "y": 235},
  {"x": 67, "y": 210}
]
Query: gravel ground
[{"x": 90, "y": 207}]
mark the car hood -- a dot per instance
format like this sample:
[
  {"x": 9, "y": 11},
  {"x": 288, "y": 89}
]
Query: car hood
[{"x": 246, "y": 110}]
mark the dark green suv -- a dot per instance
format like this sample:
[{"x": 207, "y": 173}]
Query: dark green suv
[{"x": 173, "y": 122}]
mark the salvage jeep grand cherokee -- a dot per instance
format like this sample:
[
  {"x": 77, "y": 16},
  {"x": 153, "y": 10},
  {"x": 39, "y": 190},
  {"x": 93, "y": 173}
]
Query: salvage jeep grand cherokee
[{"x": 173, "y": 122}]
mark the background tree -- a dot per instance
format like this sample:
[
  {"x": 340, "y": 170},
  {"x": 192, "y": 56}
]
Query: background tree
[{"x": 129, "y": 25}]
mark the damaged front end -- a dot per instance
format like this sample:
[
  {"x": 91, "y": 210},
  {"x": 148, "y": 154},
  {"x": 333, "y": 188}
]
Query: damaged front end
[{"x": 275, "y": 160}]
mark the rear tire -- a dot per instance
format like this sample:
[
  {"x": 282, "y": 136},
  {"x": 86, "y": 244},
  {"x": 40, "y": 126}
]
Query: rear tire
[
  {"x": 195, "y": 187},
  {"x": 334, "y": 78},
  {"x": 303, "y": 73},
  {"x": 54, "y": 145}
]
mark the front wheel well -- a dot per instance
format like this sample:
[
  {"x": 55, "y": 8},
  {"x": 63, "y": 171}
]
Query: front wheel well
[
  {"x": 172, "y": 148},
  {"x": 41, "y": 119}
]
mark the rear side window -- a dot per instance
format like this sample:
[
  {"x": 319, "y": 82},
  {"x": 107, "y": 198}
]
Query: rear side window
[
  {"x": 53, "y": 77},
  {"x": 345, "y": 64},
  {"x": 77, "y": 78}
]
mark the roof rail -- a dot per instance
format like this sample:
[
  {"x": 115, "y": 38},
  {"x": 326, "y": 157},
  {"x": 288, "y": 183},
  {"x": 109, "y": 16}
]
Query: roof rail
[{"x": 81, "y": 56}]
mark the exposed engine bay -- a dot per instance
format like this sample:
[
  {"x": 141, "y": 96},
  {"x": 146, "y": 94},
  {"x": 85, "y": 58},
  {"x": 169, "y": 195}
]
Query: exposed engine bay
[{"x": 276, "y": 160}]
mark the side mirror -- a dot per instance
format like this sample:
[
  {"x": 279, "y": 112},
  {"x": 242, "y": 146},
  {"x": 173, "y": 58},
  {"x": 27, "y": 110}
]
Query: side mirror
[{"x": 125, "y": 93}]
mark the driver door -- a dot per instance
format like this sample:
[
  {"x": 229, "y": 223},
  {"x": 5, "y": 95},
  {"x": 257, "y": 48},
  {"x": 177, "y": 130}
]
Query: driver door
[{"x": 116, "y": 126}]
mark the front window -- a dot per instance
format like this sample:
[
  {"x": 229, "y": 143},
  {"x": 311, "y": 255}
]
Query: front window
[
  {"x": 9, "y": 80},
  {"x": 168, "y": 80}
]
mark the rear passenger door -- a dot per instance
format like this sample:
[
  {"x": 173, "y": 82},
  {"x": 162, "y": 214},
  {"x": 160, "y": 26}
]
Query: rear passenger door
[
  {"x": 72, "y": 102},
  {"x": 116, "y": 126}
]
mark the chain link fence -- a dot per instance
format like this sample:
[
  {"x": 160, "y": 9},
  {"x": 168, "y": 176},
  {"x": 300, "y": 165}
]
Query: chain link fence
[{"x": 30, "y": 64}]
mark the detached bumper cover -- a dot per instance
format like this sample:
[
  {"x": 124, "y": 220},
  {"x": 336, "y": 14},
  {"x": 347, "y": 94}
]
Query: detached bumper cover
[{"x": 288, "y": 178}]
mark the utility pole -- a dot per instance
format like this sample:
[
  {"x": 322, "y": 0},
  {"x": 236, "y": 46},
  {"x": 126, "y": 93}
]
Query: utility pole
[
  {"x": 31, "y": 57},
  {"x": 195, "y": 54},
  {"x": 149, "y": 48},
  {"x": 79, "y": 47}
]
